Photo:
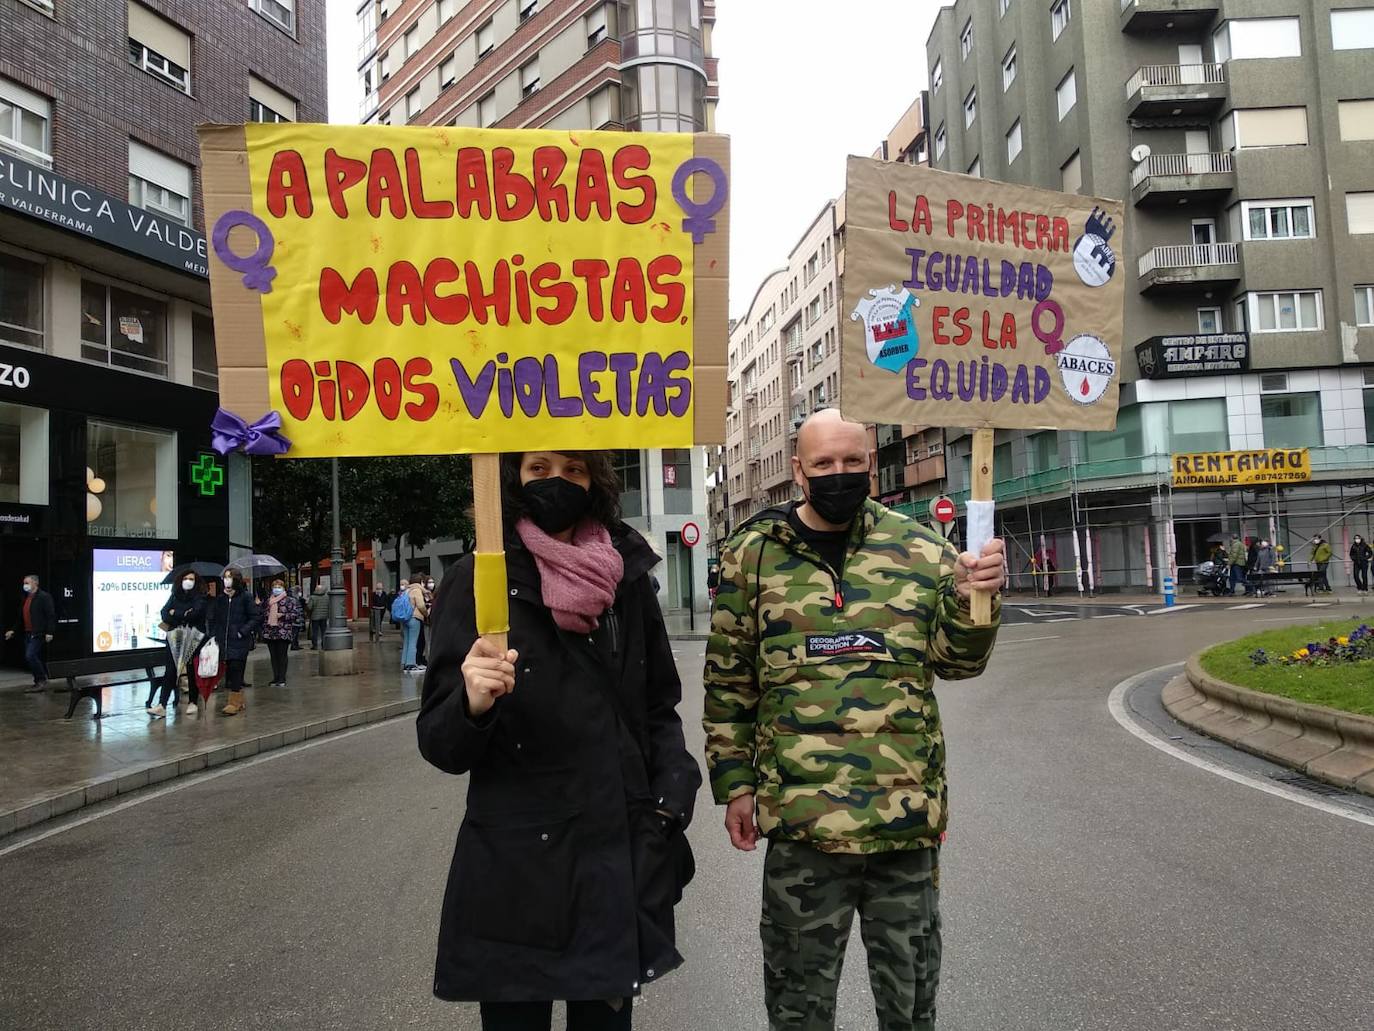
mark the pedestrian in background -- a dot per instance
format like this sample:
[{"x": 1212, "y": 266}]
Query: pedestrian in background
[
  {"x": 319, "y": 615},
  {"x": 580, "y": 785},
  {"x": 410, "y": 626},
  {"x": 1235, "y": 555},
  {"x": 421, "y": 642},
  {"x": 233, "y": 618},
  {"x": 401, "y": 589},
  {"x": 186, "y": 607},
  {"x": 833, "y": 618},
  {"x": 37, "y": 621},
  {"x": 378, "y": 604},
  {"x": 1360, "y": 557},
  {"x": 281, "y": 618},
  {"x": 1321, "y": 556},
  {"x": 301, "y": 604}
]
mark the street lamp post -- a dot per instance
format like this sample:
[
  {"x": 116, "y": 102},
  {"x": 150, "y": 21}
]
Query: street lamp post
[{"x": 338, "y": 657}]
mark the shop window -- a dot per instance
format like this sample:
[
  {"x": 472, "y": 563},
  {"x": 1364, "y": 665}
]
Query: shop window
[
  {"x": 631, "y": 489},
  {"x": 23, "y": 454},
  {"x": 25, "y": 123},
  {"x": 1291, "y": 420},
  {"x": 21, "y": 301},
  {"x": 123, "y": 329},
  {"x": 204, "y": 360},
  {"x": 1198, "y": 425},
  {"x": 132, "y": 481}
]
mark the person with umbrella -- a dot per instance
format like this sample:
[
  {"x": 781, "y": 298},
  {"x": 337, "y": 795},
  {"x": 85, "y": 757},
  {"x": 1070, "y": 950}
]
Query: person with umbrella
[
  {"x": 281, "y": 617},
  {"x": 184, "y": 617},
  {"x": 233, "y": 620}
]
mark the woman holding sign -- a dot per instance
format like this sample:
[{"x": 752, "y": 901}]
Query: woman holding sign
[{"x": 572, "y": 854}]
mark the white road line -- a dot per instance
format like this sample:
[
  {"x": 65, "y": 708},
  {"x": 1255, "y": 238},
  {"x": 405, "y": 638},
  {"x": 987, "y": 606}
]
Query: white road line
[
  {"x": 1252, "y": 605},
  {"x": 1320, "y": 605},
  {"x": 1168, "y": 608},
  {"x": 1062, "y": 619},
  {"x": 1013, "y": 640},
  {"x": 1111, "y": 615},
  {"x": 1117, "y": 704},
  {"x": 191, "y": 781}
]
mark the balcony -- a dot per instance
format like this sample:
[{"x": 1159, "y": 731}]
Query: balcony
[
  {"x": 1182, "y": 178},
  {"x": 795, "y": 352},
  {"x": 1187, "y": 267},
  {"x": 1174, "y": 90},
  {"x": 926, "y": 470},
  {"x": 755, "y": 448},
  {"x": 1169, "y": 15}
]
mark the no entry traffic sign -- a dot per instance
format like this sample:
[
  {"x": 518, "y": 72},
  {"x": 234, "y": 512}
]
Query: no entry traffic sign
[{"x": 942, "y": 509}]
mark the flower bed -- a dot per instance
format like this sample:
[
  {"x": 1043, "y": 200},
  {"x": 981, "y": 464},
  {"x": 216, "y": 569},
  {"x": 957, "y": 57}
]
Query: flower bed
[
  {"x": 1356, "y": 646},
  {"x": 1329, "y": 664}
]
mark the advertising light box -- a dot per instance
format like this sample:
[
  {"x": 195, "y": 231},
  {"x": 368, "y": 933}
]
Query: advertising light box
[{"x": 127, "y": 595}]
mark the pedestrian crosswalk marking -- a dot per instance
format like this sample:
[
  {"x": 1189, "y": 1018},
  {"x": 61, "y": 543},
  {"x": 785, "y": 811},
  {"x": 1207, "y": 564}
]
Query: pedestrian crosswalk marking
[
  {"x": 1320, "y": 605},
  {"x": 1111, "y": 615},
  {"x": 1252, "y": 605},
  {"x": 1169, "y": 608}
]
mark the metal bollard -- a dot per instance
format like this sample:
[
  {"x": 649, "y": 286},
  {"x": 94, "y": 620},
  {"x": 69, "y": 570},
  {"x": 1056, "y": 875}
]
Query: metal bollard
[{"x": 1168, "y": 591}]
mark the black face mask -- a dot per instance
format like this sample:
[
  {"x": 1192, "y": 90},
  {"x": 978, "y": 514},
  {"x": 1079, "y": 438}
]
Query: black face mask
[
  {"x": 554, "y": 504},
  {"x": 838, "y": 496}
]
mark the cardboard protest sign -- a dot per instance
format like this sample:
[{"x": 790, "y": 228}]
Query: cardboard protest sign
[
  {"x": 979, "y": 303},
  {"x": 428, "y": 290}
]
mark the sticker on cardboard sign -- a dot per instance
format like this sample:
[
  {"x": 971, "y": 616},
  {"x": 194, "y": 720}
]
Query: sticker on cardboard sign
[
  {"x": 889, "y": 318},
  {"x": 1087, "y": 368}
]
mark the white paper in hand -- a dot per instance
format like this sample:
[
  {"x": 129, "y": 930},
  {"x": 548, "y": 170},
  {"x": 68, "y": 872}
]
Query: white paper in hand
[{"x": 979, "y": 528}]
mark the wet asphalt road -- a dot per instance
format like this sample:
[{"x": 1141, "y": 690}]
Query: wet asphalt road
[{"x": 1090, "y": 881}]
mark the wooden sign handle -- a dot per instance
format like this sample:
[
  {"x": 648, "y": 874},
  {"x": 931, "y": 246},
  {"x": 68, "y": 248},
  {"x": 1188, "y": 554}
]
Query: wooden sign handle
[
  {"x": 489, "y": 577},
  {"x": 980, "y": 602}
]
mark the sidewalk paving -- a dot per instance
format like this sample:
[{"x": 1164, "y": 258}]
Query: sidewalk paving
[
  {"x": 50, "y": 766},
  {"x": 1189, "y": 596}
]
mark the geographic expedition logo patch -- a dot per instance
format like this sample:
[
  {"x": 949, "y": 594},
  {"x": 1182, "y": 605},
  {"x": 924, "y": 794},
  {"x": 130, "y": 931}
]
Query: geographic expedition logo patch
[{"x": 820, "y": 646}]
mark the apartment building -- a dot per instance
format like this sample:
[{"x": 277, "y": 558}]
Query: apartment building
[
  {"x": 783, "y": 364},
  {"x": 1241, "y": 135},
  {"x": 559, "y": 64},
  {"x": 108, "y": 373}
]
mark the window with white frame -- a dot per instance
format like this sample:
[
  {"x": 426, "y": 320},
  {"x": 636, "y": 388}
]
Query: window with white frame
[
  {"x": 966, "y": 39},
  {"x": 1066, "y": 93},
  {"x": 448, "y": 72},
  {"x": 1246, "y": 128},
  {"x": 413, "y": 103},
  {"x": 976, "y": 169},
  {"x": 486, "y": 110},
  {"x": 21, "y": 301},
  {"x": 445, "y": 10},
  {"x": 1009, "y": 69},
  {"x": 1352, "y": 29},
  {"x": 971, "y": 107},
  {"x": 123, "y": 328},
  {"x": 1059, "y": 17},
  {"x": 1244, "y": 39},
  {"x": 25, "y": 123},
  {"x": 597, "y": 29},
  {"x": 1277, "y": 219},
  {"x": 1359, "y": 213},
  {"x": 280, "y": 12},
  {"x": 528, "y": 8},
  {"x": 529, "y": 78},
  {"x": 1209, "y": 320},
  {"x": 159, "y": 48},
  {"x": 266, "y": 103},
  {"x": 940, "y": 141},
  {"x": 1014, "y": 141},
  {"x": 1364, "y": 305},
  {"x": 411, "y": 41},
  {"x": 486, "y": 39},
  {"x": 159, "y": 183},
  {"x": 937, "y": 76},
  {"x": 1285, "y": 311}
]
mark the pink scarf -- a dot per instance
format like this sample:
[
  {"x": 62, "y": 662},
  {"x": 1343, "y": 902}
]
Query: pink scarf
[{"x": 579, "y": 579}]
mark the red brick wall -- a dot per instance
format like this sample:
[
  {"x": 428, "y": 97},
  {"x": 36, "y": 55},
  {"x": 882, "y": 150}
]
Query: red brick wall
[{"x": 80, "y": 60}]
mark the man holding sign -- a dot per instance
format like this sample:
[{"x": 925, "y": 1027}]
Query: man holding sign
[{"x": 833, "y": 617}]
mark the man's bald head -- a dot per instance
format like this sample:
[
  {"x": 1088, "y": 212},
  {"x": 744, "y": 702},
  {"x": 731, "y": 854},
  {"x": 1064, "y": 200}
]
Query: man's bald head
[{"x": 829, "y": 443}]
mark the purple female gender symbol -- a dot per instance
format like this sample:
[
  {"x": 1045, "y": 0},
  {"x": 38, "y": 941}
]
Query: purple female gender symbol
[
  {"x": 700, "y": 218},
  {"x": 257, "y": 274}
]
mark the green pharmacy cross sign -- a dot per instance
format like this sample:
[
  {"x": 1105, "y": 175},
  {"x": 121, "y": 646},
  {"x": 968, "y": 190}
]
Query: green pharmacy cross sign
[{"x": 207, "y": 474}]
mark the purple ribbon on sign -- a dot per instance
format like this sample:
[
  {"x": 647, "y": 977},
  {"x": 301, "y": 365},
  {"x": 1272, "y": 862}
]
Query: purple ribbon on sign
[
  {"x": 257, "y": 274},
  {"x": 230, "y": 433}
]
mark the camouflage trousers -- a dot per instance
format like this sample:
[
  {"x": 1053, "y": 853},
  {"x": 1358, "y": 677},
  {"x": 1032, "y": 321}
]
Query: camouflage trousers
[{"x": 809, "y": 898}]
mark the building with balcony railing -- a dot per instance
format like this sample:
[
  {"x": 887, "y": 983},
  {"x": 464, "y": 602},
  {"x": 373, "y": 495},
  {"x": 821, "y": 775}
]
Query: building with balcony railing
[{"x": 1240, "y": 134}]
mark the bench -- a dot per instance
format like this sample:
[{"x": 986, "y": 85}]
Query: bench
[
  {"x": 71, "y": 669},
  {"x": 1261, "y": 582}
]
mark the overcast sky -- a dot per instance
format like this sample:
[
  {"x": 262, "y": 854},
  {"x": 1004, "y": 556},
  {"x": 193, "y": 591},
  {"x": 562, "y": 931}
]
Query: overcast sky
[{"x": 800, "y": 89}]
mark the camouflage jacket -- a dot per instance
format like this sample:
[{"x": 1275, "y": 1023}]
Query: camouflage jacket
[{"x": 818, "y": 685}]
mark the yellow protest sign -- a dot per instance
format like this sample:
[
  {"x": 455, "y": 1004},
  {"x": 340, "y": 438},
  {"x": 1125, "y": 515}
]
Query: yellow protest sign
[
  {"x": 424, "y": 290},
  {"x": 1241, "y": 468}
]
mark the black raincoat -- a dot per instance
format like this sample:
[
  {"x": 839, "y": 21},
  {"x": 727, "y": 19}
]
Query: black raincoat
[{"x": 564, "y": 876}]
